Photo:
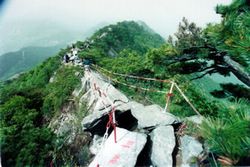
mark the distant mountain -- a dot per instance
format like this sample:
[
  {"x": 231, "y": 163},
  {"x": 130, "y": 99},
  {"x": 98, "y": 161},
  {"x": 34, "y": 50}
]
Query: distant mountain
[
  {"x": 20, "y": 61},
  {"x": 113, "y": 39},
  {"x": 128, "y": 35}
]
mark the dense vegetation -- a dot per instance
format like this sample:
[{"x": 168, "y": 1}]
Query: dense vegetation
[
  {"x": 233, "y": 33},
  {"x": 29, "y": 102},
  {"x": 228, "y": 135},
  {"x": 27, "y": 105},
  {"x": 111, "y": 40}
]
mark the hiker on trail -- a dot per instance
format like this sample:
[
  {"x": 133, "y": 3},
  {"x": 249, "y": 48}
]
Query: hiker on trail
[
  {"x": 86, "y": 64},
  {"x": 74, "y": 52},
  {"x": 77, "y": 61},
  {"x": 71, "y": 57},
  {"x": 72, "y": 48},
  {"x": 66, "y": 58}
]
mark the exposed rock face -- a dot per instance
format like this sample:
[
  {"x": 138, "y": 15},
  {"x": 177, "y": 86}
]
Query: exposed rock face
[
  {"x": 141, "y": 124},
  {"x": 96, "y": 144},
  {"x": 150, "y": 116},
  {"x": 99, "y": 105},
  {"x": 102, "y": 84},
  {"x": 82, "y": 89},
  {"x": 190, "y": 149},
  {"x": 65, "y": 124},
  {"x": 94, "y": 119},
  {"x": 124, "y": 152},
  {"x": 100, "y": 96},
  {"x": 100, "y": 93},
  {"x": 163, "y": 145}
]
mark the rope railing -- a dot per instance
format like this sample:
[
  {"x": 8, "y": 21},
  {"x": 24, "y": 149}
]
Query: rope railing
[
  {"x": 133, "y": 76},
  {"x": 168, "y": 94}
]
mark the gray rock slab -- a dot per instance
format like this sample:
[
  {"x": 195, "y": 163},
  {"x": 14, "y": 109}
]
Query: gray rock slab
[
  {"x": 94, "y": 118},
  {"x": 153, "y": 115},
  {"x": 190, "y": 149},
  {"x": 163, "y": 143},
  {"x": 89, "y": 98},
  {"x": 124, "y": 153},
  {"x": 64, "y": 126},
  {"x": 95, "y": 144},
  {"x": 112, "y": 93},
  {"x": 121, "y": 106},
  {"x": 94, "y": 100}
]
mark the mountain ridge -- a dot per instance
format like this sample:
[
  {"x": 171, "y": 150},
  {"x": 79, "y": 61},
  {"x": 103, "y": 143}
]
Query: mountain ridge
[{"x": 49, "y": 94}]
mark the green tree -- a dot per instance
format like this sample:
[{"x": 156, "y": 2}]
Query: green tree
[
  {"x": 188, "y": 35},
  {"x": 22, "y": 141}
]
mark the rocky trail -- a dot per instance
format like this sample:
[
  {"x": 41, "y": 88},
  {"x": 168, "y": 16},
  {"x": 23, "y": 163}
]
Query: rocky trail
[{"x": 126, "y": 133}]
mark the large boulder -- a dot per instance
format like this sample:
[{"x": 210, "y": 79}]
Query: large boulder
[
  {"x": 91, "y": 120},
  {"x": 121, "y": 106},
  {"x": 150, "y": 116},
  {"x": 123, "y": 153},
  {"x": 190, "y": 150},
  {"x": 163, "y": 143},
  {"x": 97, "y": 116},
  {"x": 99, "y": 98},
  {"x": 112, "y": 93},
  {"x": 95, "y": 87}
]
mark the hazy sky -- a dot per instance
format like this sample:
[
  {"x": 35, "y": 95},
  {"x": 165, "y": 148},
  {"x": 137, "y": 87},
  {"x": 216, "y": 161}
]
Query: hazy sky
[{"x": 161, "y": 15}]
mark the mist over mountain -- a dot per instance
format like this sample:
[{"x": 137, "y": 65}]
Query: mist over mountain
[
  {"x": 46, "y": 23},
  {"x": 42, "y": 33},
  {"x": 27, "y": 43}
]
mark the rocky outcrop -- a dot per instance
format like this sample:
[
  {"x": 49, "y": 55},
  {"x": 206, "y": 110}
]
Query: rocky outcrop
[
  {"x": 96, "y": 144},
  {"x": 190, "y": 150},
  {"x": 142, "y": 131},
  {"x": 163, "y": 139},
  {"x": 123, "y": 153},
  {"x": 151, "y": 116},
  {"x": 65, "y": 123},
  {"x": 100, "y": 93}
]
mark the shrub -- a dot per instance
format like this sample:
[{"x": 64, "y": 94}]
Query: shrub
[{"x": 229, "y": 135}]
